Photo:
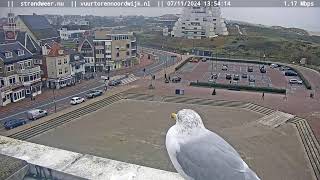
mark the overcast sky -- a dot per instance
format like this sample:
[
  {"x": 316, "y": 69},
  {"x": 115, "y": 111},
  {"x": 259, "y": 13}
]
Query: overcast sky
[{"x": 306, "y": 18}]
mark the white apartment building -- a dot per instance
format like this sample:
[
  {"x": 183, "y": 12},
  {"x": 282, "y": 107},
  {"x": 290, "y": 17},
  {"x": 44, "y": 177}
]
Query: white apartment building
[{"x": 200, "y": 22}]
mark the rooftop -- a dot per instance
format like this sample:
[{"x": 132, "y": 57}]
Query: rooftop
[
  {"x": 14, "y": 48},
  {"x": 39, "y": 26}
]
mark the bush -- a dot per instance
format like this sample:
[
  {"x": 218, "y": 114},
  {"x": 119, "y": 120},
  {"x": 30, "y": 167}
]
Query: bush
[
  {"x": 238, "y": 87},
  {"x": 182, "y": 64}
]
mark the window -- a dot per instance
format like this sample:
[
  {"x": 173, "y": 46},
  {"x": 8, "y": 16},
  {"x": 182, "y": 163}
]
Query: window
[
  {"x": 128, "y": 53},
  {"x": 214, "y": 19},
  {"x": 27, "y": 64},
  {"x": 10, "y": 68},
  {"x": 118, "y": 55},
  {"x": 183, "y": 27},
  {"x": 25, "y": 78},
  {"x": 12, "y": 80},
  {"x": 65, "y": 61},
  {"x": 59, "y": 62},
  {"x": 1, "y": 82},
  {"x": 60, "y": 71},
  {"x": 0, "y": 69},
  {"x": 66, "y": 70},
  {"x": 20, "y": 52},
  {"x": 128, "y": 45},
  {"x": 8, "y": 54}
]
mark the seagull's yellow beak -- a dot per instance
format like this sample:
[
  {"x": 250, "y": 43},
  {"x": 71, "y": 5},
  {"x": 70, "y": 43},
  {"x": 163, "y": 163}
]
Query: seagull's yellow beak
[{"x": 174, "y": 116}]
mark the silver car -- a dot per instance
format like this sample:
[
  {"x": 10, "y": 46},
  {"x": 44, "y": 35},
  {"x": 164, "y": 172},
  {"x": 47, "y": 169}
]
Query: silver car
[{"x": 36, "y": 114}]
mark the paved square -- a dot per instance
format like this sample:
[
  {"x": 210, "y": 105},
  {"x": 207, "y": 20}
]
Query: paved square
[{"x": 134, "y": 131}]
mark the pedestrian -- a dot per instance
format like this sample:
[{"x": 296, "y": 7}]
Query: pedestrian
[{"x": 262, "y": 96}]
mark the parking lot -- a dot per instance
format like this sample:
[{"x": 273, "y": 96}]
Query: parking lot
[
  {"x": 134, "y": 131},
  {"x": 273, "y": 77}
]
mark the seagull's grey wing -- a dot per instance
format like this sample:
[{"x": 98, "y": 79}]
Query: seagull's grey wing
[{"x": 210, "y": 158}]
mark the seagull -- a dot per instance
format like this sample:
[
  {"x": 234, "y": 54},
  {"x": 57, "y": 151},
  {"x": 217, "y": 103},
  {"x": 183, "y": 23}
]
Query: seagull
[{"x": 199, "y": 154}]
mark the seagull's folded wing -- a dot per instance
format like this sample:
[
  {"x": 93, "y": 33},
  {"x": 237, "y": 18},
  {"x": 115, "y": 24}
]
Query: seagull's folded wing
[{"x": 211, "y": 158}]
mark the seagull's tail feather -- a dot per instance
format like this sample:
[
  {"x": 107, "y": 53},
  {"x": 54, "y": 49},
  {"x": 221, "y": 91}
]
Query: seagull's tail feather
[{"x": 250, "y": 175}]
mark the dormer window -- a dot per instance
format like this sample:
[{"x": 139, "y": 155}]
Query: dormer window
[
  {"x": 8, "y": 54},
  {"x": 20, "y": 52}
]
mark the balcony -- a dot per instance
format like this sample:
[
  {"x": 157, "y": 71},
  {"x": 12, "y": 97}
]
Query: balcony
[
  {"x": 11, "y": 86},
  {"x": 32, "y": 70}
]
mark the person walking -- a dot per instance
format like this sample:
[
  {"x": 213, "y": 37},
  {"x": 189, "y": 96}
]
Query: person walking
[{"x": 262, "y": 96}]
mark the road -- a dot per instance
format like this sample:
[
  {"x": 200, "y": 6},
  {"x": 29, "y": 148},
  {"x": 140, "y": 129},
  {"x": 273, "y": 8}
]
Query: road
[{"x": 63, "y": 96}]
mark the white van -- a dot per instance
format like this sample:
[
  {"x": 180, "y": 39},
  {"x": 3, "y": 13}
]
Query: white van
[{"x": 36, "y": 113}]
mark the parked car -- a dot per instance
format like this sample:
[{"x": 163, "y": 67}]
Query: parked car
[
  {"x": 194, "y": 60},
  {"x": 290, "y": 73},
  {"x": 12, "y": 123},
  {"x": 176, "y": 79},
  {"x": 244, "y": 75},
  {"x": 214, "y": 76},
  {"x": 76, "y": 100},
  {"x": 228, "y": 76},
  {"x": 284, "y": 68},
  {"x": 94, "y": 93},
  {"x": 252, "y": 79},
  {"x": 224, "y": 67},
  {"x": 236, "y": 77},
  {"x": 204, "y": 59},
  {"x": 274, "y": 66},
  {"x": 295, "y": 81},
  {"x": 263, "y": 69},
  {"x": 114, "y": 82},
  {"x": 250, "y": 68},
  {"x": 36, "y": 113}
]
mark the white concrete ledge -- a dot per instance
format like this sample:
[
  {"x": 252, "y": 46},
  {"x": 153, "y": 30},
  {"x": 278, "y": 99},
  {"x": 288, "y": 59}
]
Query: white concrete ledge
[{"x": 80, "y": 165}]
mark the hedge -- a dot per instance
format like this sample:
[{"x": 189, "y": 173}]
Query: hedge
[
  {"x": 182, "y": 64},
  {"x": 238, "y": 87}
]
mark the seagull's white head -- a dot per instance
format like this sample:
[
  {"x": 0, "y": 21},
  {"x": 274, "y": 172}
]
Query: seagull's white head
[{"x": 187, "y": 120}]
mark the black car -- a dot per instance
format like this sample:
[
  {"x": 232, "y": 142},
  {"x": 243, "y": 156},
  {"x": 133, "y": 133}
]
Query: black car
[
  {"x": 214, "y": 76},
  {"x": 228, "y": 76},
  {"x": 94, "y": 93},
  {"x": 176, "y": 79},
  {"x": 12, "y": 123},
  {"x": 250, "y": 69},
  {"x": 290, "y": 73},
  {"x": 263, "y": 69},
  {"x": 114, "y": 82}
]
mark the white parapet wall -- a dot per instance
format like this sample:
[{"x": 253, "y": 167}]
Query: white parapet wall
[{"x": 80, "y": 165}]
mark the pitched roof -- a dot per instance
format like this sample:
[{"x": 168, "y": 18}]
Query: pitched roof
[
  {"x": 14, "y": 48},
  {"x": 24, "y": 39},
  {"x": 39, "y": 26}
]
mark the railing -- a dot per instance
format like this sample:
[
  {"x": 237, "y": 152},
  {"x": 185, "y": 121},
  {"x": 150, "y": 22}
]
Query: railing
[
  {"x": 12, "y": 86},
  {"x": 29, "y": 70}
]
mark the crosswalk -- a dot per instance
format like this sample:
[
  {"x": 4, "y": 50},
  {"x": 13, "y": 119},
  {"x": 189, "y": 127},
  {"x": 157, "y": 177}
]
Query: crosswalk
[{"x": 129, "y": 79}]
